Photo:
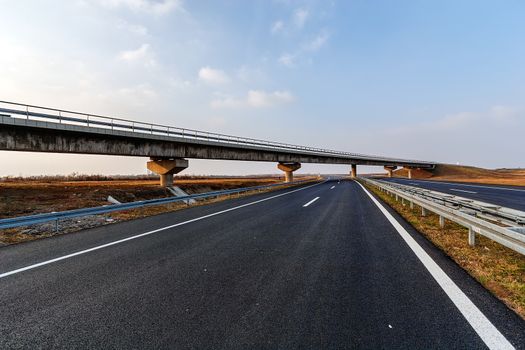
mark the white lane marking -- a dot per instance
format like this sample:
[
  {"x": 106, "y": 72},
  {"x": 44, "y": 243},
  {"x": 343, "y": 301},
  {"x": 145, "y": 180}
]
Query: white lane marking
[
  {"x": 481, "y": 324},
  {"x": 332, "y": 187},
  {"x": 47, "y": 262},
  {"x": 436, "y": 182},
  {"x": 464, "y": 191},
  {"x": 310, "y": 202}
]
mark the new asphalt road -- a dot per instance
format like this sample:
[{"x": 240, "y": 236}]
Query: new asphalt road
[
  {"x": 317, "y": 267},
  {"x": 506, "y": 196}
]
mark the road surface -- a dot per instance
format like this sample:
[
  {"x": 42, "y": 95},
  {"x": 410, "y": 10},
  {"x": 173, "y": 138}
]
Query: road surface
[
  {"x": 275, "y": 270},
  {"x": 506, "y": 196}
]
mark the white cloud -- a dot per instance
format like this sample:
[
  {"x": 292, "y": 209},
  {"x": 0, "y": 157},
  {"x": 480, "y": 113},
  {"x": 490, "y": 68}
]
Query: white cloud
[
  {"x": 142, "y": 55},
  {"x": 287, "y": 60},
  {"x": 213, "y": 76},
  {"x": 139, "y": 92},
  {"x": 255, "y": 99},
  {"x": 259, "y": 98},
  {"x": 156, "y": 7},
  {"x": 300, "y": 16},
  {"x": 318, "y": 42},
  {"x": 251, "y": 75},
  {"x": 132, "y": 28},
  {"x": 277, "y": 27}
]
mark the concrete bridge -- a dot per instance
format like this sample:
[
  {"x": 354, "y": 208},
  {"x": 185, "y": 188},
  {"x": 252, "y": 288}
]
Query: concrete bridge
[{"x": 41, "y": 129}]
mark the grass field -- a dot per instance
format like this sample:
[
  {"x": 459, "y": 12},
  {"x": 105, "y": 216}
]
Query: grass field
[
  {"x": 19, "y": 197},
  {"x": 448, "y": 172}
]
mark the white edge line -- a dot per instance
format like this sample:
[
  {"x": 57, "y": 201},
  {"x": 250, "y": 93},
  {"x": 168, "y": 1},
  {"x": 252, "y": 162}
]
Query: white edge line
[
  {"x": 47, "y": 262},
  {"x": 310, "y": 202},
  {"x": 481, "y": 324}
]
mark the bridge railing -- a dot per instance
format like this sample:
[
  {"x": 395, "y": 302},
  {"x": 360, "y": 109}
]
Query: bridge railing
[
  {"x": 502, "y": 225},
  {"x": 60, "y": 116}
]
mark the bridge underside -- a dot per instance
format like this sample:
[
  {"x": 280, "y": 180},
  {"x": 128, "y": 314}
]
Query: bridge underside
[{"x": 30, "y": 139}]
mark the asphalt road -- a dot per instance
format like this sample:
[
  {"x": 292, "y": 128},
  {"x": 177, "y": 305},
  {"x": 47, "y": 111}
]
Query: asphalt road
[
  {"x": 507, "y": 196},
  {"x": 266, "y": 271}
]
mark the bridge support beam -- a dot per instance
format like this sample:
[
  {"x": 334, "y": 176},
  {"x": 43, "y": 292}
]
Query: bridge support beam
[
  {"x": 166, "y": 167},
  {"x": 390, "y": 169},
  {"x": 353, "y": 172},
  {"x": 409, "y": 170},
  {"x": 288, "y": 169}
]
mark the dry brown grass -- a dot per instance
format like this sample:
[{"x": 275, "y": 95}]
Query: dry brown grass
[
  {"x": 499, "y": 269},
  {"x": 30, "y": 197},
  {"x": 468, "y": 174},
  {"x": 19, "y": 198}
]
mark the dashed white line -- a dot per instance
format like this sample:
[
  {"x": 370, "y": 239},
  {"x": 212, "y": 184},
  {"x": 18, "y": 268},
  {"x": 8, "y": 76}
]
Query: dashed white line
[
  {"x": 64, "y": 257},
  {"x": 310, "y": 202},
  {"x": 332, "y": 187},
  {"x": 490, "y": 335},
  {"x": 464, "y": 191}
]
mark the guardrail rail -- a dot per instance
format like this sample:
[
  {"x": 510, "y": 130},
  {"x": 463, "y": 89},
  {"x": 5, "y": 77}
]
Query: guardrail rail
[
  {"x": 105, "y": 209},
  {"x": 502, "y": 225}
]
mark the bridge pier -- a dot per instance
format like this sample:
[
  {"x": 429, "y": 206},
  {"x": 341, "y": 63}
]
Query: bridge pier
[
  {"x": 353, "y": 172},
  {"x": 288, "y": 169},
  {"x": 390, "y": 169},
  {"x": 409, "y": 169},
  {"x": 166, "y": 167}
]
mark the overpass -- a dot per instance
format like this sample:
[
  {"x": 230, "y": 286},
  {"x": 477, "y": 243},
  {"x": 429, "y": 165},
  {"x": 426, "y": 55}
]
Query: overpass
[{"x": 41, "y": 129}]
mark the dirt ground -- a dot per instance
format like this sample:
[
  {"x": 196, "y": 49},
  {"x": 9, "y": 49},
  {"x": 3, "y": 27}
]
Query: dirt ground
[
  {"x": 30, "y": 197},
  {"x": 20, "y": 197},
  {"x": 448, "y": 172}
]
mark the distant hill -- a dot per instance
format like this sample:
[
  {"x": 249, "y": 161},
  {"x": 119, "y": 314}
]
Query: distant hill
[{"x": 460, "y": 173}]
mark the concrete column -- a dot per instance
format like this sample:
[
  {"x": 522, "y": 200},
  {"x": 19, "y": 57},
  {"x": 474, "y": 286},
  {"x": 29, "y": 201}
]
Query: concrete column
[
  {"x": 166, "y": 167},
  {"x": 409, "y": 172},
  {"x": 353, "y": 172},
  {"x": 288, "y": 169},
  {"x": 390, "y": 170}
]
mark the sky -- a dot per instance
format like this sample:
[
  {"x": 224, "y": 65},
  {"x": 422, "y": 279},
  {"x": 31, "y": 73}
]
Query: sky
[{"x": 432, "y": 80}]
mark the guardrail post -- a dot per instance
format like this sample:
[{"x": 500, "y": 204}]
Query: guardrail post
[
  {"x": 441, "y": 221},
  {"x": 411, "y": 205},
  {"x": 403, "y": 201},
  {"x": 56, "y": 226},
  {"x": 397, "y": 198},
  {"x": 423, "y": 212},
  {"x": 471, "y": 237}
]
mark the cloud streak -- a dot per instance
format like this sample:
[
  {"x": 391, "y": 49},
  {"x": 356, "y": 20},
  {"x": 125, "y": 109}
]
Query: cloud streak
[
  {"x": 142, "y": 55},
  {"x": 162, "y": 7},
  {"x": 213, "y": 76},
  {"x": 254, "y": 99}
]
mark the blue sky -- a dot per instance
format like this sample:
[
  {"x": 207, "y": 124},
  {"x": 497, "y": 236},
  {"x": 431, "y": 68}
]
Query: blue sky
[{"x": 430, "y": 80}]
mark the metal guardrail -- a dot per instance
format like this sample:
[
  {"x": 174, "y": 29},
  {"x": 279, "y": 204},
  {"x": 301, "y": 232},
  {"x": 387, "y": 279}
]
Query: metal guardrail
[
  {"x": 59, "y": 116},
  {"x": 507, "y": 236},
  {"x": 105, "y": 209},
  {"x": 480, "y": 209}
]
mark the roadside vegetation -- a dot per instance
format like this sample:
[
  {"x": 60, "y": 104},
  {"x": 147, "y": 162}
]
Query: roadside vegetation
[
  {"x": 27, "y": 196},
  {"x": 499, "y": 269}
]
